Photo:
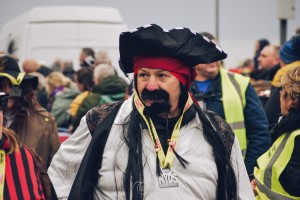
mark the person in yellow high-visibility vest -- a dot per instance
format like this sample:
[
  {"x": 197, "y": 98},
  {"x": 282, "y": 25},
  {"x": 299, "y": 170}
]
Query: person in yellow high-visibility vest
[
  {"x": 277, "y": 175},
  {"x": 232, "y": 97},
  {"x": 289, "y": 57}
]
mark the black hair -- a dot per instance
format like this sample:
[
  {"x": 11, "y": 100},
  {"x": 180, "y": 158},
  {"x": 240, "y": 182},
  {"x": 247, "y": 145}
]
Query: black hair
[
  {"x": 226, "y": 183},
  {"x": 85, "y": 77},
  {"x": 24, "y": 105},
  {"x": 88, "y": 51}
]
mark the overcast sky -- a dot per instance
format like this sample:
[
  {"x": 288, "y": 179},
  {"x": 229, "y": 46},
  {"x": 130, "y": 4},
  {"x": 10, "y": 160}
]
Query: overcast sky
[{"x": 242, "y": 22}]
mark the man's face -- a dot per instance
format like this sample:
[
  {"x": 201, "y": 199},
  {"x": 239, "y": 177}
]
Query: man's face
[
  {"x": 207, "y": 71},
  {"x": 267, "y": 58},
  {"x": 157, "y": 86}
]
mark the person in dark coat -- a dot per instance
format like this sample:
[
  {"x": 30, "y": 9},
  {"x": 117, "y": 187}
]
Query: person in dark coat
[
  {"x": 289, "y": 57},
  {"x": 108, "y": 88},
  {"x": 260, "y": 44},
  {"x": 233, "y": 98}
]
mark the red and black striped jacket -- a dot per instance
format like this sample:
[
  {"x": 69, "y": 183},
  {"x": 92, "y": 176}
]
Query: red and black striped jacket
[{"x": 22, "y": 179}]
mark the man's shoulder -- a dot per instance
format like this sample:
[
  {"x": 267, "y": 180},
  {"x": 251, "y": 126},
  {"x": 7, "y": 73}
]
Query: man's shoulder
[{"x": 98, "y": 113}]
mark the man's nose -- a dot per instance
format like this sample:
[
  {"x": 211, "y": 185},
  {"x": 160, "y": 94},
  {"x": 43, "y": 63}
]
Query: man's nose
[{"x": 152, "y": 84}]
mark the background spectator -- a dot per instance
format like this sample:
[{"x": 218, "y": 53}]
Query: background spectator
[
  {"x": 85, "y": 83},
  {"x": 24, "y": 176},
  {"x": 102, "y": 57},
  {"x": 87, "y": 57},
  {"x": 259, "y": 45},
  {"x": 284, "y": 155},
  {"x": 61, "y": 92},
  {"x": 108, "y": 88},
  {"x": 289, "y": 57},
  {"x": 233, "y": 98},
  {"x": 34, "y": 126}
]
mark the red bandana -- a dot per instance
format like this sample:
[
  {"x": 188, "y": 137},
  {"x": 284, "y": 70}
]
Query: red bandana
[{"x": 184, "y": 73}]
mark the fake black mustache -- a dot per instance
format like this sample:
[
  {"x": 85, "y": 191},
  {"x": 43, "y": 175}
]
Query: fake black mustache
[
  {"x": 155, "y": 95},
  {"x": 156, "y": 107}
]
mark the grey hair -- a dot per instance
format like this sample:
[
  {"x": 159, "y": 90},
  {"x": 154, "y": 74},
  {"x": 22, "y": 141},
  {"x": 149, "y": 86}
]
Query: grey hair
[
  {"x": 102, "y": 57},
  {"x": 101, "y": 71}
]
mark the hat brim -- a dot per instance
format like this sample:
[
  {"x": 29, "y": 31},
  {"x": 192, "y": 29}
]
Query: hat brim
[
  {"x": 182, "y": 44},
  {"x": 32, "y": 80}
]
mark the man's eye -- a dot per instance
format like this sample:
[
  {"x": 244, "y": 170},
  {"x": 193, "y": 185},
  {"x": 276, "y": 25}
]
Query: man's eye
[
  {"x": 162, "y": 75},
  {"x": 142, "y": 75}
]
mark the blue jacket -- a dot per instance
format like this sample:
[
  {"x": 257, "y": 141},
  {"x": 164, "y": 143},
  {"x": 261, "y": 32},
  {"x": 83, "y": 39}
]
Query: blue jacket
[{"x": 256, "y": 122}]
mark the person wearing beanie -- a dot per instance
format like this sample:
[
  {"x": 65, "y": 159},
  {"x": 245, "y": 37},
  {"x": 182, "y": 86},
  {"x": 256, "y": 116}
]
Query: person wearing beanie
[
  {"x": 289, "y": 57},
  {"x": 157, "y": 144}
]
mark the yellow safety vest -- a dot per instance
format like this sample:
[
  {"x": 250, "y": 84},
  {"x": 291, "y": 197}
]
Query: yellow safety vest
[
  {"x": 234, "y": 87},
  {"x": 270, "y": 166}
]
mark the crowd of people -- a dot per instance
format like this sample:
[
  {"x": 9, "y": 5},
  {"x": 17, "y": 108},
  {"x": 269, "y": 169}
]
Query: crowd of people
[{"x": 185, "y": 127}]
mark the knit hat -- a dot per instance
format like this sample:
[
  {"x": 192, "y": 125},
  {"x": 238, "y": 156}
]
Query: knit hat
[{"x": 290, "y": 51}]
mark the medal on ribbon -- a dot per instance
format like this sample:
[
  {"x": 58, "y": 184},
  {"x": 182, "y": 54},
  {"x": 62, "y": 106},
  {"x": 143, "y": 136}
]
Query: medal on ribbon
[{"x": 167, "y": 177}]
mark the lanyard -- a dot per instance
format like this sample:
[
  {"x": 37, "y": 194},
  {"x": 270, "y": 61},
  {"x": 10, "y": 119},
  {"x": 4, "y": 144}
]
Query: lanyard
[
  {"x": 165, "y": 161},
  {"x": 2, "y": 173}
]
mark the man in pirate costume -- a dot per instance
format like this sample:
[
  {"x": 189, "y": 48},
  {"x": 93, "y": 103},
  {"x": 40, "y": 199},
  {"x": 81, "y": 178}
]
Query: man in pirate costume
[{"x": 158, "y": 144}]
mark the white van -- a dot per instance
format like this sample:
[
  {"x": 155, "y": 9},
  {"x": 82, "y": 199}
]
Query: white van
[{"x": 59, "y": 32}]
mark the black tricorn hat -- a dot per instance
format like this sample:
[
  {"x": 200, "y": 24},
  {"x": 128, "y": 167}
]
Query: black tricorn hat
[
  {"x": 181, "y": 43},
  {"x": 10, "y": 69}
]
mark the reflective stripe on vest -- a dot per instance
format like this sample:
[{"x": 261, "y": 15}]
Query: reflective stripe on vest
[
  {"x": 234, "y": 101},
  {"x": 271, "y": 164}
]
